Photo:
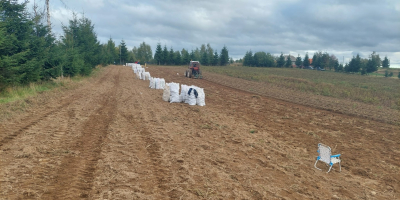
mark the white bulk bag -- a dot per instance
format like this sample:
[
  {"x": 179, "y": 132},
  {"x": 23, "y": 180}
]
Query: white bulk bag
[
  {"x": 166, "y": 93},
  {"x": 201, "y": 98},
  {"x": 143, "y": 76},
  {"x": 162, "y": 83},
  {"x": 156, "y": 83},
  {"x": 174, "y": 92},
  {"x": 147, "y": 75},
  {"x": 184, "y": 90},
  {"x": 192, "y": 96},
  {"x": 151, "y": 82}
]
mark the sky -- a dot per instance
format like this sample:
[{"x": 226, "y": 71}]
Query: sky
[{"x": 344, "y": 28}]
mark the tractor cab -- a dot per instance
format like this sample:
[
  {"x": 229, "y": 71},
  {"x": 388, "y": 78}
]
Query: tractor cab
[{"x": 194, "y": 70}]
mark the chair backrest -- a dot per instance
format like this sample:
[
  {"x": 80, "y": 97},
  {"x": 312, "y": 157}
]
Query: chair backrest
[{"x": 324, "y": 153}]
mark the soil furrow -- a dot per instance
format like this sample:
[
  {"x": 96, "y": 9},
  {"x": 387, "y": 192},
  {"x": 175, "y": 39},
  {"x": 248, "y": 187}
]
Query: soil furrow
[{"x": 75, "y": 177}]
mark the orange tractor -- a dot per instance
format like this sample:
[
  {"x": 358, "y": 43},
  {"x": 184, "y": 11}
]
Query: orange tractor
[{"x": 194, "y": 70}]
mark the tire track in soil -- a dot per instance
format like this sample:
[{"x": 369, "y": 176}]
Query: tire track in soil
[
  {"x": 32, "y": 122},
  {"x": 153, "y": 148},
  {"x": 75, "y": 177}
]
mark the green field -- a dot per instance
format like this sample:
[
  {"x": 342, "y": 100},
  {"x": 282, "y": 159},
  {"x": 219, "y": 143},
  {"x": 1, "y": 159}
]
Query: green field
[{"x": 372, "y": 89}]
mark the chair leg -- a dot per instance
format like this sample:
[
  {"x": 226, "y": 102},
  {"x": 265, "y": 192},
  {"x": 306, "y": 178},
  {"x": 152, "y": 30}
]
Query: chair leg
[
  {"x": 315, "y": 165},
  {"x": 329, "y": 169}
]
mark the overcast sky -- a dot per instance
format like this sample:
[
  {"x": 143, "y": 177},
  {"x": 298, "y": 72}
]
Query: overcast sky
[{"x": 340, "y": 27}]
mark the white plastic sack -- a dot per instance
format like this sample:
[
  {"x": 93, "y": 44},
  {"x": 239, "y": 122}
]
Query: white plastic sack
[
  {"x": 161, "y": 83},
  {"x": 137, "y": 75},
  {"x": 158, "y": 86},
  {"x": 192, "y": 96},
  {"x": 201, "y": 98},
  {"x": 147, "y": 75},
  {"x": 174, "y": 92},
  {"x": 143, "y": 76},
  {"x": 184, "y": 90},
  {"x": 166, "y": 93},
  {"x": 151, "y": 82}
]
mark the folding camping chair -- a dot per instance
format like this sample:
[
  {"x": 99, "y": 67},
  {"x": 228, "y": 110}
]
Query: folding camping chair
[{"x": 325, "y": 155}]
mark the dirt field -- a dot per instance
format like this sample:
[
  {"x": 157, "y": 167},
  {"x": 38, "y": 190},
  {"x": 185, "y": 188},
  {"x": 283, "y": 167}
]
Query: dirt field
[{"x": 115, "y": 138}]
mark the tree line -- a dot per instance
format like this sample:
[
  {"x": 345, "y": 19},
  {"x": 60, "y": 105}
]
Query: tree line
[
  {"x": 319, "y": 60},
  {"x": 29, "y": 52},
  {"x": 206, "y": 55}
]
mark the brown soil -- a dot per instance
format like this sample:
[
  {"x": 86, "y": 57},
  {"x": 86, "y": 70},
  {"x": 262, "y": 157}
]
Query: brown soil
[{"x": 114, "y": 138}]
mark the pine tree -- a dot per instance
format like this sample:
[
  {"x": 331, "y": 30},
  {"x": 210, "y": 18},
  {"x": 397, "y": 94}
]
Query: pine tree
[
  {"x": 210, "y": 54},
  {"x": 224, "y": 56},
  {"x": 171, "y": 58},
  {"x": 123, "y": 52},
  {"x": 298, "y": 61},
  {"x": 165, "y": 55},
  {"x": 178, "y": 58},
  {"x": 306, "y": 61},
  {"x": 281, "y": 61},
  {"x": 204, "y": 59},
  {"x": 386, "y": 62},
  {"x": 216, "y": 58},
  {"x": 158, "y": 54},
  {"x": 355, "y": 64},
  {"x": 185, "y": 57},
  {"x": 315, "y": 60},
  {"x": 288, "y": 62}
]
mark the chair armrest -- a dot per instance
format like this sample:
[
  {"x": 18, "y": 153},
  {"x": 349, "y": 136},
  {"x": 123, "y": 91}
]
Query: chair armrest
[{"x": 335, "y": 156}]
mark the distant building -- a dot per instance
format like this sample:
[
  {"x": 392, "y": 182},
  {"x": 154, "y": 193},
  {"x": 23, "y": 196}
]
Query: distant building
[{"x": 292, "y": 58}]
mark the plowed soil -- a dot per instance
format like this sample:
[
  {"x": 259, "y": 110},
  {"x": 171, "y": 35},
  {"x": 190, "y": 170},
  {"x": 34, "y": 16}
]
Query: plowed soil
[{"x": 114, "y": 138}]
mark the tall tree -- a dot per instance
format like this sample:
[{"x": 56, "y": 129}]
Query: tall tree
[
  {"x": 298, "y": 61},
  {"x": 373, "y": 63},
  {"x": 288, "y": 62},
  {"x": 210, "y": 54},
  {"x": 204, "y": 59},
  {"x": 386, "y": 62},
  {"x": 185, "y": 57},
  {"x": 354, "y": 65},
  {"x": 171, "y": 57},
  {"x": 158, "y": 56},
  {"x": 316, "y": 60},
  {"x": 123, "y": 52},
  {"x": 216, "y": 58},
  {"x": 306, "y": 61},
  {"x": 193, "y": 56},
  {"x": 144, "y": 53},
  {"x": 281, "y": 61},
  {"x": 165, "y": 55},
  {"x": 178, "y": 58},
  {"x": 248, "y": 59},
  {"x": 224, "y": 56},
  {"x": 333, "y": 62}
]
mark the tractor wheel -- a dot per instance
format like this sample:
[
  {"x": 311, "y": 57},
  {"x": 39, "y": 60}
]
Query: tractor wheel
[
  {"x": 190, "y": 74},
  {"x": 200, "y": 74}
]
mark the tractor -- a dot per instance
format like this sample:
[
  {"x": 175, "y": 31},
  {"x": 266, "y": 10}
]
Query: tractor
[{"x": 194, "y": 70}]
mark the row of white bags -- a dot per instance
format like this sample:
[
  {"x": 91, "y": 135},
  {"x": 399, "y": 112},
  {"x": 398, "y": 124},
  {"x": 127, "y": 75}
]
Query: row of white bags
[
  {"x": 143, "y": 75},
  {"x": 136, "y": 70},
  {"x": 157, "y": 83},
  {"x": 133, "y": 65},
  {"x": 191, "y": 95}
]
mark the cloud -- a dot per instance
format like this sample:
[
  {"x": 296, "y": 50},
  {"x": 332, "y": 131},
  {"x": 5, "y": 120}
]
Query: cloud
[{"x": 288, "y": 26}]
